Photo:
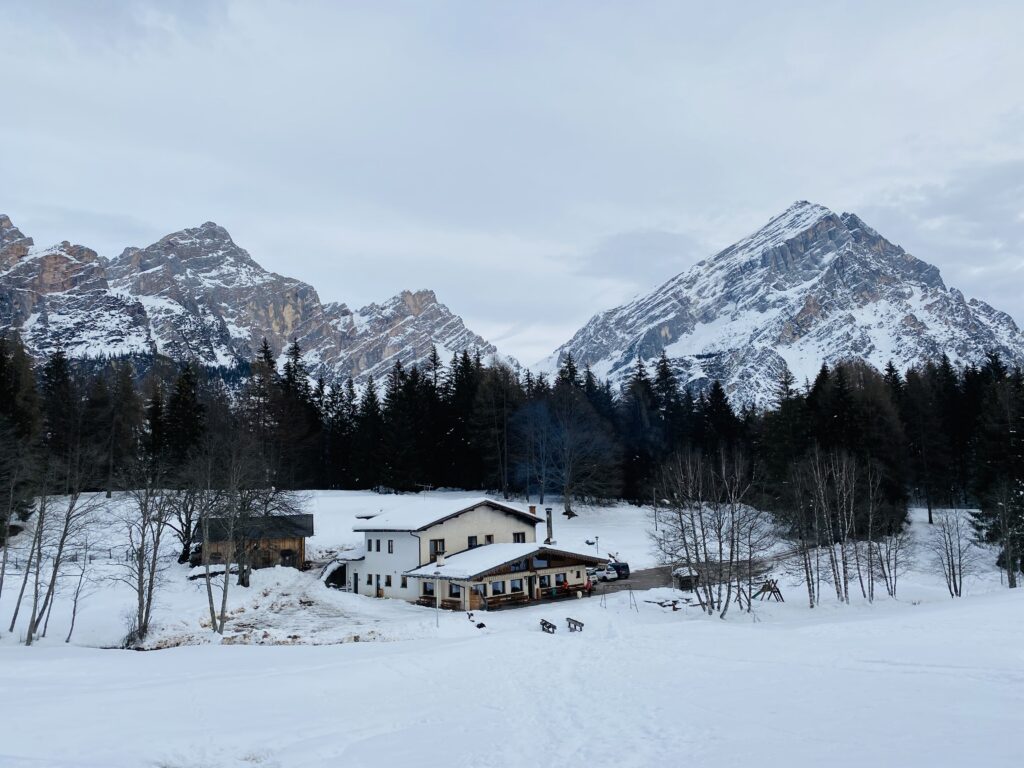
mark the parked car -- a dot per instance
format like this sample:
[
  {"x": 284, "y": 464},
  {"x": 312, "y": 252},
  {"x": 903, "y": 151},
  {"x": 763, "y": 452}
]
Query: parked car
[
  {"x": 607, "y": 573},
  {"x": 621, "y": 569}
]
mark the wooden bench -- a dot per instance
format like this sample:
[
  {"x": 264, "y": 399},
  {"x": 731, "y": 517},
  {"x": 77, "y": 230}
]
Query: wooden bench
[
  {"x": 575, "y": 625},
  {"x": 547, "y": 626}
]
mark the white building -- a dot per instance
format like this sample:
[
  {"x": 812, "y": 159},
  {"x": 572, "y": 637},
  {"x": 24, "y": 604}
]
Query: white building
[
  {"x": 408, "y": 553},
  {"x": 400, "y": 541}
]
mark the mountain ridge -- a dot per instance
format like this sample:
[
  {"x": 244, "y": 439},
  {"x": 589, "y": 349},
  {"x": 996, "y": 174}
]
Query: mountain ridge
[
  {"x": 810, "y": 286},
  {"x": 196, "y": 295}
]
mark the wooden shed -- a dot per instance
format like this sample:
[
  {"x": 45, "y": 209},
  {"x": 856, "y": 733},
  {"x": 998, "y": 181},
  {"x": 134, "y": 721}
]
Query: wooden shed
[{"x": 270, "y": 540}]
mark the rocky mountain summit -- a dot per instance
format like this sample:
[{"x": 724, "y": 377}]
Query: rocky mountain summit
[
  {"x": 809, "y": 287},
  {"x": 197, "y": 295}
]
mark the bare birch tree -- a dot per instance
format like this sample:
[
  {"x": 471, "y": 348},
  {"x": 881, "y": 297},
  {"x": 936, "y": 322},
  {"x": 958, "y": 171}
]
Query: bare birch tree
[
  {"x": 84, "y": 583},
  {"x": 64, "y": 523},
  {"x": 950, "y": 545},
  {"x": 892, "y": 557},
  {"x": 144, "y": 518},
  {"x": 709, "y": 529}
]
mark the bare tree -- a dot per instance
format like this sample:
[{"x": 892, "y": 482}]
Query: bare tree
[
  {"x": 709, "y": 529},
  {"x": 64, "y": 522},
  {"x": 15, "y": 474},
  {"x": 1006, "y": 501},
  {"x": 892, "y": 557},
  {"x": 84, "y": 584},
  {"x": 949, "y": 542},
  {"x": 534, "y": 432},
  {"x": 863, "y": 548},
  {"x": 832, "y": 481},
  {"x": 145, "y": 519},
  {"x": 184, "y": 503},
  {"x": 804, "y": 523},
  {"x": 233, "y": 502},
  {"x": 583, "y": 455},
  {"x": 32, "y": 561}
]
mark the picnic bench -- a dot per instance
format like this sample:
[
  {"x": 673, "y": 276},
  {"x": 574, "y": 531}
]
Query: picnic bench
[
  {"x": 547, "y": 626},
  {"x": 575, "y": 625}
]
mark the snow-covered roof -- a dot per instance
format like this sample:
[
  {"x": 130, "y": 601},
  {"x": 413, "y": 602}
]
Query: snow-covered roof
[
  {"x": 348, "y": 555},
  {"x": 426, "y": 511},
  {"x": 479, "y": 560}
]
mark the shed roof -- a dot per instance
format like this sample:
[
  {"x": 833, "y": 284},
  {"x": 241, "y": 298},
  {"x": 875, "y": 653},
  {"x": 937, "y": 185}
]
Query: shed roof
[
  {"x": 425, "y": 512},
  {"x": 481, "y": 560},
  {"x": 262, "y": 527}
]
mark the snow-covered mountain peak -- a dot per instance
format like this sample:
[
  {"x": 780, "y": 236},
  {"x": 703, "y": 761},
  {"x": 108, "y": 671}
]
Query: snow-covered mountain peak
[
  {"x": 808, "y": 287},
  {"x": 413, "y": 302},
  {"x": 799, "y": 217},
  {"x": 196, "y": 295}
]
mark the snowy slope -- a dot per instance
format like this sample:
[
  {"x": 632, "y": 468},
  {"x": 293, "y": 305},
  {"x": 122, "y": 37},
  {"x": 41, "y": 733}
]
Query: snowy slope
[
  {"x": 922, "y": 680},
  {"x": 197, "y": 295},
  {"x": 809, "y": 287}
]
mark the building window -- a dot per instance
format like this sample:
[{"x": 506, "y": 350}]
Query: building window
[
  {"x": 560, "y": 579},
  {"x": 473, "y": 542},
  {"x": 497, "y": 587},
  {"x": 387, "y": 580},
  {"x": 436, "y": 548},
  {"x": 519, "y": 537},
  {"x": 516, "y": 585},
  {"x": 428, "y": 588},
  {"x": 578, "y": 574},
  {"x": 405, "y": 582},
  {"x": 454, "y": 590},
  {"x": 391, "y": 546},
  {"x": 369, "y": 580},
  {"x": 489, "y": 538},
  {"x": 545, "y": 580},
  {"x": 378, "y": 545}
]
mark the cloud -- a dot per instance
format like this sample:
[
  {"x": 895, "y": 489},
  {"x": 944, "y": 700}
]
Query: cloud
[
  {"x": 101, "y": 24},
  {"x": 533, "y": 163},
  {"x": 642, "y": 258},
  {"x": 970, "y": 225}
]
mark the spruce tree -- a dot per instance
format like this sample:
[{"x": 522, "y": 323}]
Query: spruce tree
[{"x": 184, "y": 419}]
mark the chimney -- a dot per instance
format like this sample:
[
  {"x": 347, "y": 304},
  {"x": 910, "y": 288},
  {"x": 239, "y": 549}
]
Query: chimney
[
  {"x": 440, "y": 559},
  {"x": 550, "y": 538},
  {"x": 533, "y": 510}
]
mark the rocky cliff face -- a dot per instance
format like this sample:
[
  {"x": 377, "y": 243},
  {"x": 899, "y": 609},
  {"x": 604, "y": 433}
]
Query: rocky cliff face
[
  {"x": 368, "y": 341},
  {"x": 196, "y": 295},
  {"x": 810, "y": 287}
]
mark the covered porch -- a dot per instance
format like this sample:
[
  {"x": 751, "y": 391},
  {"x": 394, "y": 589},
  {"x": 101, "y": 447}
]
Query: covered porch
[{"x": 504, "y": 575}]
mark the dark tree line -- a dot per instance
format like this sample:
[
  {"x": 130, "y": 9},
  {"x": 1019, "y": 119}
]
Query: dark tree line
[{"x": 936, "y": 434}]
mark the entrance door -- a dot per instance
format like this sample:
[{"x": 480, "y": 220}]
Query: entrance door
[
  {"x": 532, "y": 592},
  {"x": 355, "y": 583}
]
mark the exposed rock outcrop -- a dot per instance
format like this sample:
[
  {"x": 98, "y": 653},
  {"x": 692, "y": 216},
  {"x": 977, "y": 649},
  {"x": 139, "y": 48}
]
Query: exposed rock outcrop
[{"x": 809, "y": 287}]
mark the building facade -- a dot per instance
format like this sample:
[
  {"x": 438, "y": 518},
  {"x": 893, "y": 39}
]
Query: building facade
[
  {"x": 395, "y": 543},
  {"x": 477, "y": 556}
]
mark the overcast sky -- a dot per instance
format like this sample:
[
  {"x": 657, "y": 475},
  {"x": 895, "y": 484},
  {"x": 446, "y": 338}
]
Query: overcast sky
[{"x": 533, "y": 163}]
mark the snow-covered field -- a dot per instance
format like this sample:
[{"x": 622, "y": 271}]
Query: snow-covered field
[{"x": 922, "y": 680}]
